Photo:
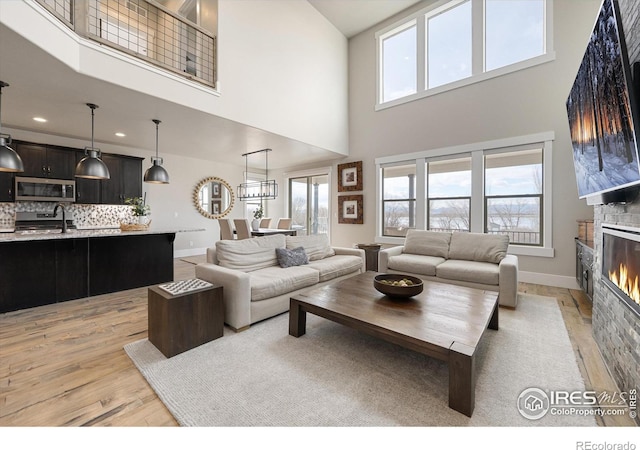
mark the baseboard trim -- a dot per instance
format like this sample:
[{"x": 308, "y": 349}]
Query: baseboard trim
[
  {"x": 189, "y": 252},
  {"x": 547, "y": 279}
]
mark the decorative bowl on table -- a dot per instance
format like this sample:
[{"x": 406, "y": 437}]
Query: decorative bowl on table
[{"x": 398, "y": 285}]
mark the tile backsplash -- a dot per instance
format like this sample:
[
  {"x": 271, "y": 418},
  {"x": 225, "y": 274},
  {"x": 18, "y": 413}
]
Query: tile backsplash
[{"x": 84, "y": 216}]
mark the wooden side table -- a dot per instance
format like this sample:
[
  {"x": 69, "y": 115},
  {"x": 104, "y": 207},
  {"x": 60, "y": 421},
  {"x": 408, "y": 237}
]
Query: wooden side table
[
  {"x": 371, "y": 255},
  {"x": 178, "y": 323}
]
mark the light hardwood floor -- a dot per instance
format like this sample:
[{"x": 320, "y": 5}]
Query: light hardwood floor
[{"x": 64, "y": 364}]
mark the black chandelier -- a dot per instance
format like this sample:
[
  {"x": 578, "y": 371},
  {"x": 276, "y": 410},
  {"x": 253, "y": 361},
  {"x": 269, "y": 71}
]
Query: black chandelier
[{"x": 259, "y": 190}]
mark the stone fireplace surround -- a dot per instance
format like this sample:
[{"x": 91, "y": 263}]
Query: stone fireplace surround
[{"x": 615, "y": 326}]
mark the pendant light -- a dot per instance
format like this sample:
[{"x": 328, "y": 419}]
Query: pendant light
[
  {"x": 9, "y": 160},
  {"x": 91, "y": 166},
  {"x": 156, "y": 173}
]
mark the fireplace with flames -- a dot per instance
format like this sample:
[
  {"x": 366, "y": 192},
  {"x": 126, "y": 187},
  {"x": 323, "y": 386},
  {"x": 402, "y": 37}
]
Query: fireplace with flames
[{"x": 621, "y": 263}]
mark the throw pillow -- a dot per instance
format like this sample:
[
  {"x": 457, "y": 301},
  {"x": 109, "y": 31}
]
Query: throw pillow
[
  {"x": 248, "y": 255},
  {"x": 427, "y": 243},
  {"x": 293, "y": 257},
  {"x": 479, "y": 247}
]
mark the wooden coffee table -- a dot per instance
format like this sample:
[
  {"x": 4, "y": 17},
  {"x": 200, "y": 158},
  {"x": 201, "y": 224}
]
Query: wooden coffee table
[{"x": 444, "y": 321}]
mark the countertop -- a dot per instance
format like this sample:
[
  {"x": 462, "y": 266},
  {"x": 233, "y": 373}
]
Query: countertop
[{"x": 80, "y": 234}]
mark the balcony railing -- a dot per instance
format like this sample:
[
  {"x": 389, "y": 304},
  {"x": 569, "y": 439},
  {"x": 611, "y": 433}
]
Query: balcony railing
[
  {"x": 515, "y": 236},
  {"x": 145, "y": 30}
]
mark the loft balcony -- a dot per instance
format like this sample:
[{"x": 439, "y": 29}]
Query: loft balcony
[{"x": 143, "y": 29}]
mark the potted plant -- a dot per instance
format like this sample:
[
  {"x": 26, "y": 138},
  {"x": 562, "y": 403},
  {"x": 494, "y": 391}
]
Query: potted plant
[
  {"x": 257, "y": 215},
  {"x": 139, "y": 209}
]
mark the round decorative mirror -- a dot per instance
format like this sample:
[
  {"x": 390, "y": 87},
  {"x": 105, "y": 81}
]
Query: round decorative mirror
[{"x": 213, "y": 198}]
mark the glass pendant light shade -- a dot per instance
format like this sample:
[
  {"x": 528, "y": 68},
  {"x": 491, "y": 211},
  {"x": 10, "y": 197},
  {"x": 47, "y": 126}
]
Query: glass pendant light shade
[
  {"x": 156, "y": 174},
  {"x": 91, "y": 166},
  {"x": 10, "y": 161}
]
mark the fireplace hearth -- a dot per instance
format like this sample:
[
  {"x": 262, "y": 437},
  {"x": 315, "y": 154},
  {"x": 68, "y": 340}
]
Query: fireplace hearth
[{"x": 621, "y": 263}]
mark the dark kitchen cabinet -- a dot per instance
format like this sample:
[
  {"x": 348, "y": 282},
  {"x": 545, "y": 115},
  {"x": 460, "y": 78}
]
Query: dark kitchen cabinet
[
  {"x": 87, "y": 190},
  {"x": 125, "y": 181},
  {"x": 131, "y": 176},
  {"x": 6, "y": 186},
  {"x": 56, "y": 271},
  {"x": 42, "y": 272},
  {"x": 111, "y": 189},
  {"x": 50, "y": 161},
  {"x": 46, "y": 161}
]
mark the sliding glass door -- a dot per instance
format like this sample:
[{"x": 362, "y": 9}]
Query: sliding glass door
[{"x": 309, "y": 204}]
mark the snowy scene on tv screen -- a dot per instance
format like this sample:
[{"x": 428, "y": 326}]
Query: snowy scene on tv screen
[{"x": 605, "y": 150}]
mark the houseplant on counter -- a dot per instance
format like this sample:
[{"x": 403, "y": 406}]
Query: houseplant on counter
[
  {"x": 139, "y": 209},
  {"x": 258, "y": 214}
]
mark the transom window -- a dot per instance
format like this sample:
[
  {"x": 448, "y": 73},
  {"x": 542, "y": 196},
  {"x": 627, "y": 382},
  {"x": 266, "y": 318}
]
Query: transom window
[
  {"x": 460, "y": 42},
  {"x": 399, "y": 50}
]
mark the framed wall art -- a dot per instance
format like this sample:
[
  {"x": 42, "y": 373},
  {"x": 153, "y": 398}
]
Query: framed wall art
[
  {"x": 216, "y": 206},
  {"x": 350, "y": 176},
  {"x": 216, "y": 192},
  {"x": 350, "y": 209}
]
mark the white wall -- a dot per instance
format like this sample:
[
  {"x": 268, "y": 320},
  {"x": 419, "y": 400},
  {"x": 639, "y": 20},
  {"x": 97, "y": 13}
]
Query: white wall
[
  {"x": 282, "y": 68},
  {"x": 522, "y": 103}
]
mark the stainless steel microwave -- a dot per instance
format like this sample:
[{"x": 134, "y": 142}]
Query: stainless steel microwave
[{"x": 45, "y": 189}]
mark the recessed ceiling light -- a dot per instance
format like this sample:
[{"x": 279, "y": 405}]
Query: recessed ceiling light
[
  {"x": 40, "y": 119},
  {"x": 119, "y": 134}
]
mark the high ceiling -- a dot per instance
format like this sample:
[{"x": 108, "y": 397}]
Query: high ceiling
[
  {"x": 354, "y": 16},
  {"x": 40, "y": 85}
]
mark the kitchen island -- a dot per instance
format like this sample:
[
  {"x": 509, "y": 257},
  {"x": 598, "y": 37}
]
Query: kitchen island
[{"x": 44, "y": 267}]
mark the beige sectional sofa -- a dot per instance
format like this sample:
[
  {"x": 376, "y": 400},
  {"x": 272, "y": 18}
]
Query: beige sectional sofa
[
  {"x": 468, "y": 259},
  {"x": 256, "y": 287}
]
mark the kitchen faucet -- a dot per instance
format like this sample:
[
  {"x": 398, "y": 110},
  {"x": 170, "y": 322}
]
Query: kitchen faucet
[{"x": 64, "y": 219}]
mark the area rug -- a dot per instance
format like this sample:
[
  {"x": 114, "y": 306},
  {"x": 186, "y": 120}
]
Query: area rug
[{"x": 335, "y": 376}]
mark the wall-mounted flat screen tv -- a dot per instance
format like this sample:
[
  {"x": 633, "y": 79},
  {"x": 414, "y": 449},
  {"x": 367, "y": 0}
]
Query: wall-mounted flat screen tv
[{"x": 603, "y": 119}]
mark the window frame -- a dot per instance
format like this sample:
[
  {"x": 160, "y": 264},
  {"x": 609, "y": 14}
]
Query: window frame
[
  {"x": 404, "y": 26},
  {"x": 540, "y": 196},
  {"x": 477, "y": 216},
  {"x": 478, "y": 72},
  {"x": 407, "y": 199},
  {"x": 429, "y": 198}
]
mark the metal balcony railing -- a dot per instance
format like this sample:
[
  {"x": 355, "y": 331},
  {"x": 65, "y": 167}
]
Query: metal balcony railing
[{"x": 145, "y": 30}]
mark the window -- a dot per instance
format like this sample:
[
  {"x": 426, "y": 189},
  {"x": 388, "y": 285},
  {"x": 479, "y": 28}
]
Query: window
[
  {"x": 449, "y": 195},
  {"x": 398, "y": 199},
  {"x": 513, "y": 195},
  {"x": 502, "y": 186},
  {"x": 309, "y": 204},
  {"x": 514, "y": 31},
  {"x": 451, "y": 44},
  {"x": 399, "y": 69},
  {"x": 250, "y": 205}
]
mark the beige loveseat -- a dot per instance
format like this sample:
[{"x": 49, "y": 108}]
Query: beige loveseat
[
  {"x": 256, "y": 287},
  {"x": 468, "y": 259}
]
